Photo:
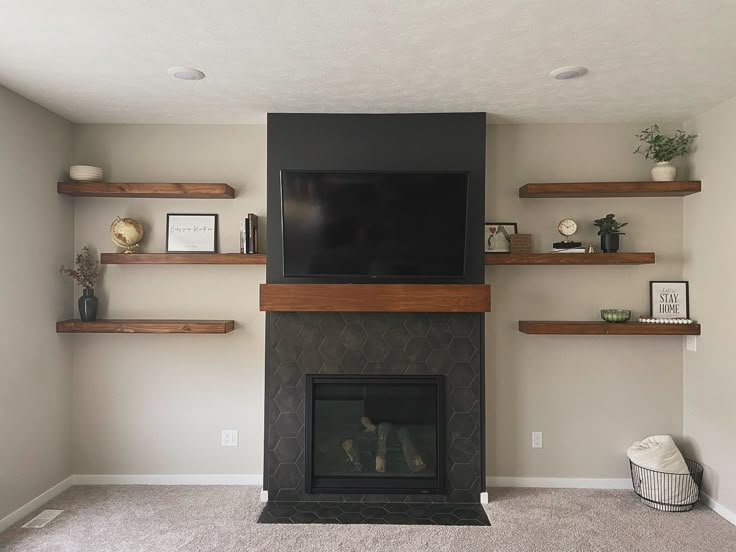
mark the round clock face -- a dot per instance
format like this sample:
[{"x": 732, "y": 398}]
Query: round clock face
[{"x": 567, "y": 227}]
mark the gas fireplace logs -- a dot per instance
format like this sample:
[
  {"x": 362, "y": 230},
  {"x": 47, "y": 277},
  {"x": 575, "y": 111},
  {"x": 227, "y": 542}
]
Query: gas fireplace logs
[
  {"x": 353, "y": 454},
  {"x": 383, "y": 430},
  {"x": 413, "y": 459},
  {"x": 369, "y": 426}
]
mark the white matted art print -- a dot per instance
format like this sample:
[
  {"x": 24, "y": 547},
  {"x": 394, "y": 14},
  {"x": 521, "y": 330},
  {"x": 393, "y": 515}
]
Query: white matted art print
[
  {"x": 669, "y": 299},
  {"x": 497, "y": 236},
  {"x": 191, "y": 233}
]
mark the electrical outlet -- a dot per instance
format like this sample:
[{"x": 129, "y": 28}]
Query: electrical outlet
[
  {"x": 537, "y": 439},
  {"x": 692, "y": 343},
  {"x": 229, "y": 438}
]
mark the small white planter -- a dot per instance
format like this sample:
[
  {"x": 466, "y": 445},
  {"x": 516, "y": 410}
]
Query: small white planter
[{"x": 663, "y": 171}]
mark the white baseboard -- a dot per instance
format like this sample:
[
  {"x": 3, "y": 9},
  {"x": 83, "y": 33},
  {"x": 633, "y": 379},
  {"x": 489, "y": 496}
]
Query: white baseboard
[
  {"x": 559, "y": 482},
  {"x": 215, "y": 479},
  {"x": 36, "y": 503},
  {"x": 722, "y": 511}
]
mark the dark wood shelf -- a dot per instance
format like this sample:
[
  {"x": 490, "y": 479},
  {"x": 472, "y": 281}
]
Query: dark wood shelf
[
  {"x": 569, "y": 258},
  {"x": 147, "y": 190},
  {"x": 183, "y": 258},
  {"x": 147, "y": 326},
  {"x": 605, "y": 328},
  {"x": 375, "y": 297},
  {"x": 609, "y": 189}
]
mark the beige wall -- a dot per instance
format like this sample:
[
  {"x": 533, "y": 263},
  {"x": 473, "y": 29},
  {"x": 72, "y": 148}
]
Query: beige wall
[
  {"x": 35, "y": 363},
  {"x": 710, "y": 373},
  {"x": 156, "y": 404},
  {"x": 590, "y": 396}
]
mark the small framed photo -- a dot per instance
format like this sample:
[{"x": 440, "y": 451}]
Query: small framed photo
[
  {"x": 187, "y": 233},
  {"x": 669, "y": 299},
  {"x": 497, "y": 236}
]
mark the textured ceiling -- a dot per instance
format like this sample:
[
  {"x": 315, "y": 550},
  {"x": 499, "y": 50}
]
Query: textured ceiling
[{"x": 107, "y": 61}]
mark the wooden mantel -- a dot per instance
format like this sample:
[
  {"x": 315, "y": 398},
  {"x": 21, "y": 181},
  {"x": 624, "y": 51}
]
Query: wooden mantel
[{"x": 376, "y": 297}]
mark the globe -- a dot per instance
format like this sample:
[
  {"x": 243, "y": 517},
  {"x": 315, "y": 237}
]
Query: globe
[{"x": 126, "y": 233}]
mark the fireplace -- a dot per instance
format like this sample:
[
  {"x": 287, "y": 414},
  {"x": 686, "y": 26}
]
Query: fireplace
[
  {"x": 375, "y": 434},
  {"x": 348, "y": 351}
]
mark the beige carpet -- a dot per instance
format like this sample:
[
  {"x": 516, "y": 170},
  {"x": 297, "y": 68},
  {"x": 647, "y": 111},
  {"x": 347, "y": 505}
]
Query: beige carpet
[{"x": 142, "y": 518}]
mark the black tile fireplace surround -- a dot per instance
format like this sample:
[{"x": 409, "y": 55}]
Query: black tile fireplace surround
[{"x": 378, "y": 347}]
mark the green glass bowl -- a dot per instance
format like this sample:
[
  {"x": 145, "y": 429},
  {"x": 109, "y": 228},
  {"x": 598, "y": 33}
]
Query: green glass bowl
[{"x": 615, "y": 315}]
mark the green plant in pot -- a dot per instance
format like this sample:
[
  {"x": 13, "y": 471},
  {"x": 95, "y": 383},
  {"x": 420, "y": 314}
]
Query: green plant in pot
[
  {"x": 663, "y": 149},
  {"x": 609, "y": 229},
  {"x": 85, "y": 273}
]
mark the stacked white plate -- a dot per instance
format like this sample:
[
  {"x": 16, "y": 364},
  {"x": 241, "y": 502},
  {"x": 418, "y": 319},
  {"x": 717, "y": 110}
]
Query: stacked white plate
[{"x": 85, "y": 173}]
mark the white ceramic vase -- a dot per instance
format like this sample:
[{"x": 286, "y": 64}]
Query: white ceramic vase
[{"x": 663, "y": 171}]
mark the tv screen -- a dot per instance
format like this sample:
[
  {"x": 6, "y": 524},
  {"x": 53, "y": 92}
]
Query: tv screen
[{"x": 374, "y": 224}]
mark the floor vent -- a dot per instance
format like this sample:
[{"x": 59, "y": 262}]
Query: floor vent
[{"x": 42, "y": 519}]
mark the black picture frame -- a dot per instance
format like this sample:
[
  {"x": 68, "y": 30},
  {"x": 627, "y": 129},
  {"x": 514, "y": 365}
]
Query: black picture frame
[
  {"x": 486, "y": 248},
  {"x": 652, "y": 284},
  {"x": 215, "y": 234}
]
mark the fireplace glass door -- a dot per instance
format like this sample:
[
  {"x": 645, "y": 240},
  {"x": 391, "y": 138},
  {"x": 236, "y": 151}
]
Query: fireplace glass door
[{"x": 382, "y": 434}]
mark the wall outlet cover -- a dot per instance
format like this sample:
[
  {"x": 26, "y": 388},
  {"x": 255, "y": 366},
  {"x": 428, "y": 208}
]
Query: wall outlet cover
[
  {"x": 537, "y": 441},
  {"x": 229, "y": 438},
  {"x": 692, "y": 343}
]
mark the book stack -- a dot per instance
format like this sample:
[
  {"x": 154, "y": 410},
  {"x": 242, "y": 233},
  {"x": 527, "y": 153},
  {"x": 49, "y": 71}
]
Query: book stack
[
  {"x": 249, "y": 234},
  {"x": 568, "y": 250}
]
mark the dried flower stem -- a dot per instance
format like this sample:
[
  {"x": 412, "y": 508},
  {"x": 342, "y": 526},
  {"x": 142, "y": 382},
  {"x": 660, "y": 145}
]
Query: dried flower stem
[{"x": 88, "y": 268}]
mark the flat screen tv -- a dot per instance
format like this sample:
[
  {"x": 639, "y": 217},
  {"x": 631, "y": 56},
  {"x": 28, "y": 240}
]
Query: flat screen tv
[{"x": 372, "y": 225}]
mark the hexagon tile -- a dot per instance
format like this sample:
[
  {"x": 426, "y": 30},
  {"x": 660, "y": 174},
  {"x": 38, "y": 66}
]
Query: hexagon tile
[
  {"x": 378, "y": 344},
  {"x": 380, "y": 513}
]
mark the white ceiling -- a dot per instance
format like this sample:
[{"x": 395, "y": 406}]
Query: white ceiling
[{"x": 107, "y": 60}]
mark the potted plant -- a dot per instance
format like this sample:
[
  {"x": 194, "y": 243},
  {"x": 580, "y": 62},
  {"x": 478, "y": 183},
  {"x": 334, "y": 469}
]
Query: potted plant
[
  {"x": 609, "y": 229},
  {"x": 85, "y": 274},
  {"x": 663, "y": 149}
]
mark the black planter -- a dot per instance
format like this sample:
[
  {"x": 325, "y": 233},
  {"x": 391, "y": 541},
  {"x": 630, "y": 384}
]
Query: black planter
[
  {"x": 88, "y": 305},
  {"x": 609, "y": 243}
]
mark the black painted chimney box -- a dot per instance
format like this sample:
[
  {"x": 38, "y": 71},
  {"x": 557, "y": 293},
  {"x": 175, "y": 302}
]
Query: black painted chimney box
[{"x": 377, "y": 344}]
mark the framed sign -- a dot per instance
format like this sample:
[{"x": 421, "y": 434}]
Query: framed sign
[
  {"x": 191, "y": 233},
  {"x": 498, "y": 236},
  {"x": 669, "y": 299}
]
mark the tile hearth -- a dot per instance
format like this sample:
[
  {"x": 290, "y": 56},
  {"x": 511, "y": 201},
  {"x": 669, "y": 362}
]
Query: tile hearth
[{"x": 386, "y": 513}]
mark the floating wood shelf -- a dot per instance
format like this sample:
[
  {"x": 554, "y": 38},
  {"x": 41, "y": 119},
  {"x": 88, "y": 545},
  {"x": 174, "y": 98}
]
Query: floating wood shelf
[
  {"x": 569, "y": 258},
  {"x": 609, "y": 189},
  {"x": 147, "y": 326},
  {"x": 147, "y": 190},
  {"x": 375, "y": 297},
  {"x": 605, "y": 328},
  {"x": 183, "y": 258}
]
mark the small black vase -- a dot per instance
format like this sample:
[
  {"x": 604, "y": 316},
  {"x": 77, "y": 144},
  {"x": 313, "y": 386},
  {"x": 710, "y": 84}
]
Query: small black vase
[
  {"x": 88, "y": 305},
  {"x": 610, "y": 243}
]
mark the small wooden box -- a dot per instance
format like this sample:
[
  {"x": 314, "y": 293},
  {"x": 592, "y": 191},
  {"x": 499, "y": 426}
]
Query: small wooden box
[{"x": 520, "y": 243}]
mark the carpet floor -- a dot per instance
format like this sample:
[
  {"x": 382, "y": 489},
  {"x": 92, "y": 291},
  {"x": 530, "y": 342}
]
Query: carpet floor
[{"x": 157, "y": 519}]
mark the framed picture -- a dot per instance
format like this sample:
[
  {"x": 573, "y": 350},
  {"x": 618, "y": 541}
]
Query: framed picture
[
  {"x": 191, "y": 233},
  {"x": 669, "y": 299},
  {"x": 497, "y": 236}
]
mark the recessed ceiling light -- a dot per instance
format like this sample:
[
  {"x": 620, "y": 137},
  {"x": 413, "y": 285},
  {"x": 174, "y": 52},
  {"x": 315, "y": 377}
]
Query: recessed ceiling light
[
  {"x": 570, "y": 72},
  {"x": 186, "y": 73}
]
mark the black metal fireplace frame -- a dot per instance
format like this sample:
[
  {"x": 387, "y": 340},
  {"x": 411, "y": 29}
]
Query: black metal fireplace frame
[{"x": 380, "y": 485}]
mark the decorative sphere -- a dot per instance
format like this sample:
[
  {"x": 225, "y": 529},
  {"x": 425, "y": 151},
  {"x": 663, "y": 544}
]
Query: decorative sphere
[{"x": 126, "y": 233}]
